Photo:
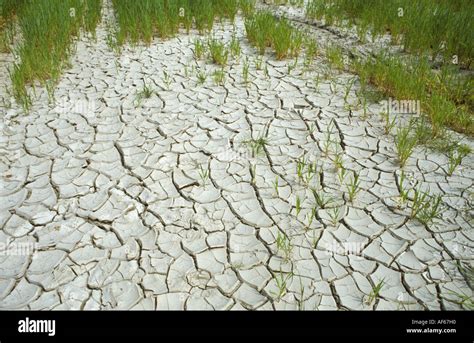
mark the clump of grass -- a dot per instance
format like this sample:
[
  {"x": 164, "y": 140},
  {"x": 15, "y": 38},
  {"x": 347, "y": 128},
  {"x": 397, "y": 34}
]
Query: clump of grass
[
  {"x": 186, "y": 17},
  {"x": 335, "y": 215},
  {"x": 247, "y": 7},
  {"x": 375, "y": 292},
  {"x": 338, "y": 160},
  {"x": 462, "y": 299},
  {"x": 142, "y": 20},
  {"x": 112, "y": 41},
  {"x": 328, "y": 141},
  {"x": 203, "y": 175},
  {"x": 204, "y": 13},
  {"x": 284, "y": 246},
  {"x": 7, "y": 33},
  {"x": 456, "y": 156},
  {"x": 218, "y": 52},
  {"x": 389, "y": 124},
  {"x": 341, "y": 175},
  {"x": 199, "y": 49},
  {"x": 405, "y": 143},
  {"x": 227, "y": 9},
  {"x": 321, "y": 199},
  {"x": 335, "y": 56},
  {"x": 440, "y": 111},
  {"x": 219, "y": 77},
  {"x": 444, "y": 95},
  {"x": 135, "y": 20},
  {"x": 430, "y": 210},
  {"x": 311, "y": 171},
  {"x": 145, "y": 93},
  {"x": 310, "y": 217},
  {"x": 392, "y": 76},
  {"x": 300, "y": 166},
  {"x": 48, "y": 29},
  {"x": 425, "y": 207},
  {"x": 265, "y": 31},
  {"x": 256, "y": 145},
  {"x": 9, "y": 10},
  {"x": 258, "y": 28},
  {"x": 348, "y": 89},
  {"x": 305, "y": 170},
  {"x": 281, "y": 281},
  {"x": 440, "y": 28},
  {"x": 419, "y": 201},
  {"x": 311, "y": 52},
  {"x": 235, "y": 48},
  {"x": 353, "y": 187},
  {"x": 201, "y": 76},
  {"x": 401, "y": 188},
  {"x": 296, "y": 44}
]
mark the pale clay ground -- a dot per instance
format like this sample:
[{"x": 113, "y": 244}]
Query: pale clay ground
[{"x": 105, "y": 196}]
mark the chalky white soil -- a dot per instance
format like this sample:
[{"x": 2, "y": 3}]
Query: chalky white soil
[{"x": 111, "y": 200}]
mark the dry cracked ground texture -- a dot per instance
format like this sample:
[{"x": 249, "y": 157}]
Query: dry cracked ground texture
[{"x": 161, "y": 205}]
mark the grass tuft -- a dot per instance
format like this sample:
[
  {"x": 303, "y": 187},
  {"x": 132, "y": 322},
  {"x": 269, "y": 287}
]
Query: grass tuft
[
  {"x": 48, "y": 29},
  {"x": 218, "y": 52},
  {"x": 441, "y": 28},
  {"x": 265, "y": 31}
]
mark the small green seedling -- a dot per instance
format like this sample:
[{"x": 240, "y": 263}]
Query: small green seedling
[
  {"x": 375, "y": 293},
  {"x": 320, "y": 198},
  {"x": 204, "y": 175},
  {"x": 245, "y": 71},
  {"x": 281, "y": 282},
  {"x": 201, "y": 76},
  {"x": 335, "y": 215},
  {"x": 219, "y": 77},
  {"x": 298, "y": 205},
  {"x": 353, "y": 187},
  {"x": 456, "y": 156},
  {"x": 284, "y": 246},
  {"x": 235, "y": 48},
  {"x": 275, "y": 185},
  {"x": 405, "y": 144}
]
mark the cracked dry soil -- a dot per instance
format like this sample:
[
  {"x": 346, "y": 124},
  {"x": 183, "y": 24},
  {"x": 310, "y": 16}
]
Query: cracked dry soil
[{"x": 162, "y": 204}]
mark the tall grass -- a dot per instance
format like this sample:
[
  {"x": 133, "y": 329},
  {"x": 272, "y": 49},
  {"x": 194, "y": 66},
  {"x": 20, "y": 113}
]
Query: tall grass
[
  {"x": 48, "y": 28},
  {"x": 139, "y": 20},
  {"x": 219, "y": 53},
  {"x": 144, "y": 19},
  {"x": 247, "y": 7},
  {"x": 445, "y": 96},
  {"x": 442, "y": 27},
  {"x": 8, "y": 9},
  {"x": 8, "y": 12},
  {"x": 265, "y": 31}
]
